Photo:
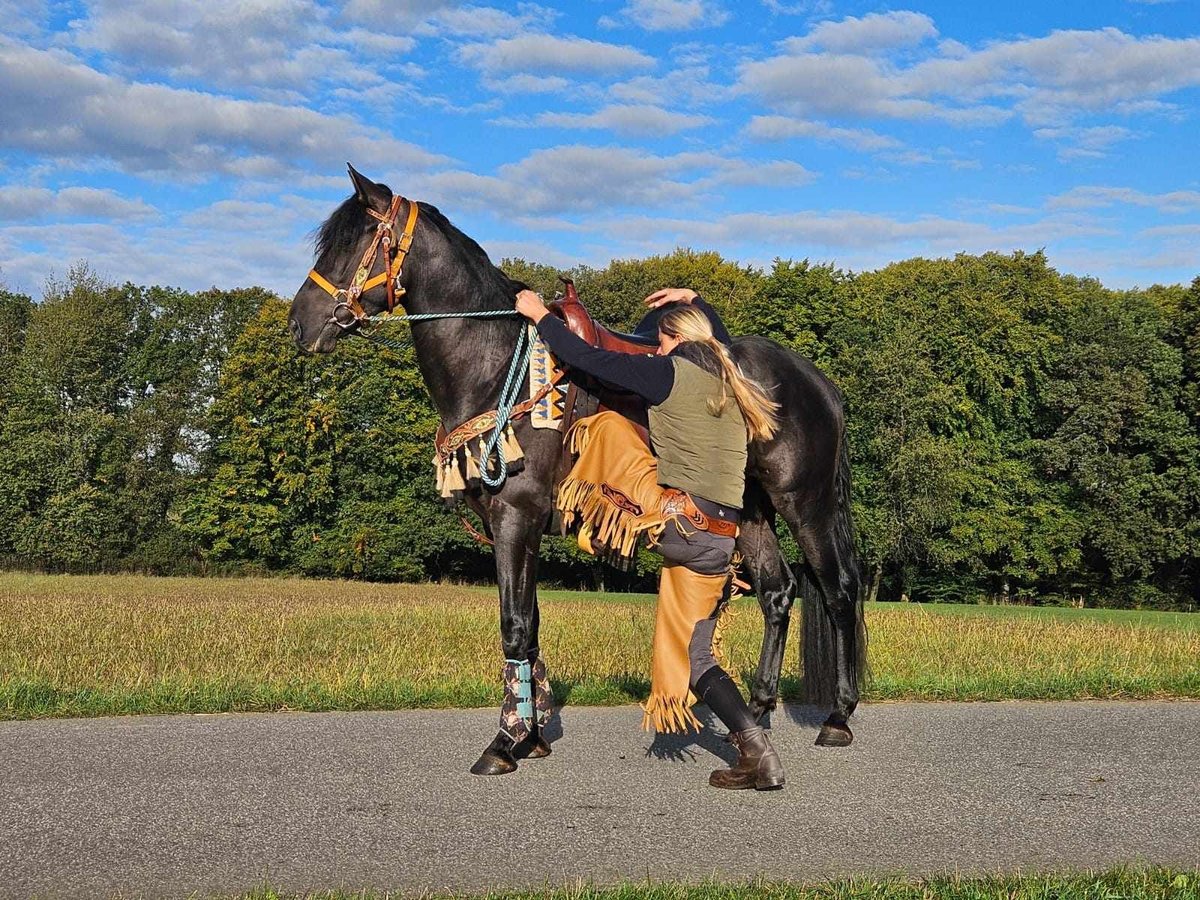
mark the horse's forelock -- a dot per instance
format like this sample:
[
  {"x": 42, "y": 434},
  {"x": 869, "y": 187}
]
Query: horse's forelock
[{"x": 342, "y": 231}]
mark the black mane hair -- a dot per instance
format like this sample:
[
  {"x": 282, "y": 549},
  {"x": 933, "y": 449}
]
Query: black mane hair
[{"x": 343, "y": 230}]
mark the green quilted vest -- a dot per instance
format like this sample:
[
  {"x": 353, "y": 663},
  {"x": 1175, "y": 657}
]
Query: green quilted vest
[{"x": 698, "y": 452}]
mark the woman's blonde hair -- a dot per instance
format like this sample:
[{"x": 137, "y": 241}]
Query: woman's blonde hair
[{"x": 759, "y": 411}]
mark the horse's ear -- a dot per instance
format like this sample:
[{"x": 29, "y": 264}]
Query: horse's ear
[{"x": 376, "y": 196}]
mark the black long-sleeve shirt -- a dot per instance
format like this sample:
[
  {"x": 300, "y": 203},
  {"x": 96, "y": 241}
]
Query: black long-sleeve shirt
[{"x": 650, "y": 376}]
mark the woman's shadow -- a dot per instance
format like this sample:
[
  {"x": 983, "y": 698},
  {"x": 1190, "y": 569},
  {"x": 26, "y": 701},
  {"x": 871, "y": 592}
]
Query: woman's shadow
[
  {"x": 685, "y": 747},
  {"x": 673, "y": 747}
]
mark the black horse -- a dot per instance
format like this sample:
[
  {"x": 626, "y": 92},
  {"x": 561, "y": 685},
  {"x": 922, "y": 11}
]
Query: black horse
[{"x": 802, "y": 474}]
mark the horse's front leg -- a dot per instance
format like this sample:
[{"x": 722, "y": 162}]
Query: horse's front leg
[{"x": 517, "y": 532}]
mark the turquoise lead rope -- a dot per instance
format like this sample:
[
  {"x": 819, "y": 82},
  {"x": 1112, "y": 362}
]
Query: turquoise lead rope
[{"x": 509, "y": 393}]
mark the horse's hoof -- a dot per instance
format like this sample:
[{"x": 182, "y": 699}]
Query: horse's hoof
[
  {"x": 492, "y": 764},
  {"x": 835, "y": 735},
  {"x": 532, "y": 749}
]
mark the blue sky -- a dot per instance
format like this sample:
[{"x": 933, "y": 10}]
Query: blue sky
[{"x": 195, "y": 144}]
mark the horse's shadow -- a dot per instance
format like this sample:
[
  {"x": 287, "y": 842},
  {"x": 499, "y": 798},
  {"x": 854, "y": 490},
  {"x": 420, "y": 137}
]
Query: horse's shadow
[{"x": 791, "y": 704}]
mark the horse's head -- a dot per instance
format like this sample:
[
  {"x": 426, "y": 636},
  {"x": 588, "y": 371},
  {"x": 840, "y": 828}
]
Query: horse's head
[{"x": 359, "y": 255}]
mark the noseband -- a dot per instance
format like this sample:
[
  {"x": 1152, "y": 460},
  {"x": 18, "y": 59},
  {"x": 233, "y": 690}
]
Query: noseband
[{"x": 384, "y": 244}]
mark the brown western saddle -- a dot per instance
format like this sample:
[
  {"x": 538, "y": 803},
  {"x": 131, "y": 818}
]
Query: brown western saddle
[
  {"x": 580, "y": 322},
  {"x": 588, "y": 395}
]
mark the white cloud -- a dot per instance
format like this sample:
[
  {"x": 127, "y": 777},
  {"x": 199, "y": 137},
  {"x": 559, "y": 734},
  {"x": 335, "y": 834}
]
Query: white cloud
[
  {"x": 641, "y": 121},
  {"x": 24, "y": 17},
  {"x": 266, "y": 44},
  {"x": 873, "y": 236},
  {"x": 674, "y": 15},
  {"x": 876, "y": 31},
  {"x": 57, "y": 106},
  {"x": 1079, "y": 143},
  {"x": 398, "y": 13},
  {"x": 839, "y": 86},
  {"x": 776, "y": 173},
  {"x": 690, "y": 84},
  {"x": 548, "y": 55},
  {"x": 499, "y": 249},
  {"x": 1098, "y": 197},
  {"x": 271, "y": 254},
  {"x": 778, "y": 128},
  {"x": 528, "y": 84},
  {"x": 1173, "y": 231},
  {"x": 487, "y": 21},
  {"x": 1049, "y": 81},
  {"x": 1055, "y": 78},
  {"x": 574, "y": 179},
  {"x": 570, "y": 178},
  {"x": 34, "y": 204},
  {"x": 800, "y": 8}
]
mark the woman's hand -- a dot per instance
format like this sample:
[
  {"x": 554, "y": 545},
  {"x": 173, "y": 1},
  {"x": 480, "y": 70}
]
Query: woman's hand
[
  {"x": 671, "y": 295},
  {"x": 531, "y": 306}
]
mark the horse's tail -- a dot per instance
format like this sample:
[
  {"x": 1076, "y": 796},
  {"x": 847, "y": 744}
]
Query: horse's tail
[{"x": 819, "y": 641}]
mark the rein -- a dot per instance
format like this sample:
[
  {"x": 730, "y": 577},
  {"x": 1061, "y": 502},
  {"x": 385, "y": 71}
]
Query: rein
[
  {"x": 505, "y": 403},
  {"x": 347, "y": 301}
]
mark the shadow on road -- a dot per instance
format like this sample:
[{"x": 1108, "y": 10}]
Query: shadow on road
[{"x": 684, "y": 747}]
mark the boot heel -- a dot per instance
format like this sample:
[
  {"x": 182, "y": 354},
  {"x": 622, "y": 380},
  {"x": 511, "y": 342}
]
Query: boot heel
[{"x": 772, "y": 782}]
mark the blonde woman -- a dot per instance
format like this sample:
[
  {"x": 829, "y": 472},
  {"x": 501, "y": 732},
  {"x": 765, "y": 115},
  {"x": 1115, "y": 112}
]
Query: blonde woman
[{"x": 684, "y": 493}]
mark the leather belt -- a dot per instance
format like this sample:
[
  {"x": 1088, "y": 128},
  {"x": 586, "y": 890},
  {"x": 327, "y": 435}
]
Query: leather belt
[{"x": 680, "y": 503}]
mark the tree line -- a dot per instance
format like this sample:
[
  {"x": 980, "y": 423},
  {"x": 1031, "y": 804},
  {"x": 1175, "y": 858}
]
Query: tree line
[{"x": 1016, "y": 434}]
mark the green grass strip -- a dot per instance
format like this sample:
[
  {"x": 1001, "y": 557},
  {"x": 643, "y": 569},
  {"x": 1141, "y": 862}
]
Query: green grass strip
[{"x": 1120, "y": 884}]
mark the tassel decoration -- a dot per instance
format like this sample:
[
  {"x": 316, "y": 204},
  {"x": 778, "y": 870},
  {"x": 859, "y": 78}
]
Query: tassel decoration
[
  {"x": 512, "y": 449},
  {"x": 472, "y": 467},
  {"x": 439, "y": 478},
  {"x": 454, "y": 483}
]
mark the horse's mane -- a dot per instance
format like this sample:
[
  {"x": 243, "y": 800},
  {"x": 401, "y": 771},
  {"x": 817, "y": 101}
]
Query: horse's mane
[{"x": 343, "y": 230}]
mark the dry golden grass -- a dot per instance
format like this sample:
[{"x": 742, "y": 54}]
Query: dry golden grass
[{"x": 117, "y": 644}]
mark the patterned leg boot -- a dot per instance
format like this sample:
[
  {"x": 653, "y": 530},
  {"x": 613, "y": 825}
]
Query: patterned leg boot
[
  {"x": 543, "y": 706},
  {"x": 516, "y": 712},
  {"x": 757, "y": 764},
  {"x": 516, "y": 722}
]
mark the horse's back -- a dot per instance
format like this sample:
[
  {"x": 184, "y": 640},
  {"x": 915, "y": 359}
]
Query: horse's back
[{"x": 803, "y": 454}]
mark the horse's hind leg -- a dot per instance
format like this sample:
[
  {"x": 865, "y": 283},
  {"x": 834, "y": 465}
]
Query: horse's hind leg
[
  {"x": 836, "y": 635},
  {"x": 775, "y": 587},
  {"x": 834, "y": 641}
]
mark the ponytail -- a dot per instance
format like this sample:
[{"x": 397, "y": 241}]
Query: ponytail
[{"x": 759, "y": 411}]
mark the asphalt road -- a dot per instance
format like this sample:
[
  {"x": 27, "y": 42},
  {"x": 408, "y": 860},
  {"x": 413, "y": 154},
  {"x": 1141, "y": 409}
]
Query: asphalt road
[{"x": 170, "y": 805}]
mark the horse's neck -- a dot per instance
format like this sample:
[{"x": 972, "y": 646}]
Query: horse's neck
[{"x": 463, "y": 361}]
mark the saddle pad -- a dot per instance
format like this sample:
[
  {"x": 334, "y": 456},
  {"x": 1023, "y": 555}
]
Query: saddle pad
[{"x": 550, "y": 411}]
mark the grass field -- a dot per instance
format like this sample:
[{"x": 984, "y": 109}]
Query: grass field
[
  {"x": 78, "y": 646},
  {"x": 1156, "y": 884}
]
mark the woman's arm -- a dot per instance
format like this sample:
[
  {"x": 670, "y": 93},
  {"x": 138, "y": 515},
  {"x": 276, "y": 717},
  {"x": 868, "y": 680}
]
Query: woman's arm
[
  {"x": 650, "y": 377},
  {"x": 687, "y": 295}
]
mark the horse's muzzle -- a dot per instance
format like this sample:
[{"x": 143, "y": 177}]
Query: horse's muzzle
[{"x": 324, "y": 342}]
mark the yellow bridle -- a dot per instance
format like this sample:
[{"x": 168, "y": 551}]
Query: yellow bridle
[{"x": 382, "y": 244}]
